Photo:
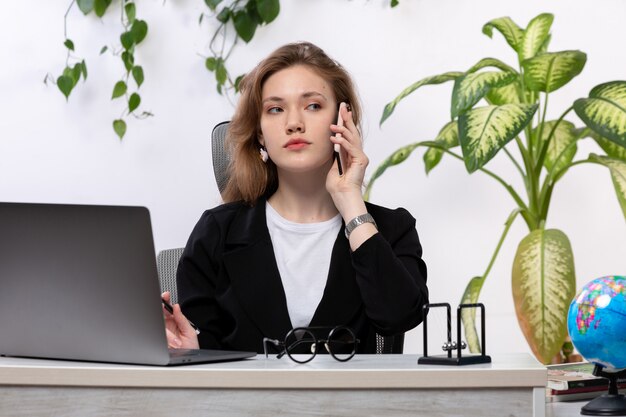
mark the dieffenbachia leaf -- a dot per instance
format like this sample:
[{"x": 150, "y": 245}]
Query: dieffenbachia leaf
[
  {"x": 448, "y": 137},
  {"x": 395, "y": 158},
  {"x": 468, "y": 315},
  {"x": 491, "y": 62},
  {"x": 604, "y": 111},
  {"x": 548, "y": 72},
  {"x": 535, "y": 36},
  {"x": 509, "y": 94},
  {"x": 618, "y": 175},
  {"x": 436, "y": 79},
  {"x": 470, "y": 88},
  {"x": 544, "y": 283},
  {"x": 508, "y": 28},
  {"x": 483, "y": 131},
  {"x": 611, "y": 149},
  {"x": 562, "y": 147}
]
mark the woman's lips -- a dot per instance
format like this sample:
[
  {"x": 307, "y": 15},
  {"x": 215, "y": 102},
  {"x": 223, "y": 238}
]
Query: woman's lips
[{"x": 295, "y": 144}]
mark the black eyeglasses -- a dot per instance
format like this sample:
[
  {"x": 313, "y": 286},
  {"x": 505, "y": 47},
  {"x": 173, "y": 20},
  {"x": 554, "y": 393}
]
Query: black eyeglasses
[{"x": 341, "y": 343}]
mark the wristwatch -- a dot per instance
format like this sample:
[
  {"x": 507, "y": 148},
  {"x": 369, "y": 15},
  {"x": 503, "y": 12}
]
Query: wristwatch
[{"x": 357, "y": 221}]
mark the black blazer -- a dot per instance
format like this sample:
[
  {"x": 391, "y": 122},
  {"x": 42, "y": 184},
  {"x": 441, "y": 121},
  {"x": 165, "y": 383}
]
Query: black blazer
[{"x": 229, "y": 284}]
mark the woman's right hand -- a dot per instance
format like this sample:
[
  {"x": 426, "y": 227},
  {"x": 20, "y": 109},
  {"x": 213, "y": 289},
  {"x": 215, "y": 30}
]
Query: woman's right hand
[{"x": 180, "y": 334}]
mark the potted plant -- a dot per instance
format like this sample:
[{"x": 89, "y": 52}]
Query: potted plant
[{"x": 496, "y": 108}]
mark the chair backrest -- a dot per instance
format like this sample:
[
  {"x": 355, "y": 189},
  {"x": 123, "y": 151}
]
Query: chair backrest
[
  {"x": 221, "y": 159},
  {"x": 167, "y": 264}
]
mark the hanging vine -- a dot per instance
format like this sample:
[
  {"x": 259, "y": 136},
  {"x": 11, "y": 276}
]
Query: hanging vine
[{"x": 244, "y": 16}]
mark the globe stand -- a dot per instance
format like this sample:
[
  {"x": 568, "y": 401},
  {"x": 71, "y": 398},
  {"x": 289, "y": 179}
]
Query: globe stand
[{"x": 611, "y": 404}]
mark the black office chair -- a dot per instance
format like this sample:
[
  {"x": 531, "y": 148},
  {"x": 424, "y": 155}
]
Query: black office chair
[{"x": 167, "y": 260}]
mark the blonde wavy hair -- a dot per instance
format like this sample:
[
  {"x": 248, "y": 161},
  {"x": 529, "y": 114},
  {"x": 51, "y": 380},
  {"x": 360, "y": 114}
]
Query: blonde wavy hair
[{"x": 249, "y": 178}]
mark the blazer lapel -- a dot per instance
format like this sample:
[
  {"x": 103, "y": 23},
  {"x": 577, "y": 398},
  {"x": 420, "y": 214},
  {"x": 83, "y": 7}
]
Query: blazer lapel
[{"x": 251, "y": 265}]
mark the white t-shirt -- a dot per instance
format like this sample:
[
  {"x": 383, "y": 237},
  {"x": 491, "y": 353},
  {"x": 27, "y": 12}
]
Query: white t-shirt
[{"x": 303, "y": 252}]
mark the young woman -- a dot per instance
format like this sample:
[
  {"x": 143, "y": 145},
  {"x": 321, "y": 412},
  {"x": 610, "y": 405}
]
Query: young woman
[{"x": 294, "y": 244}]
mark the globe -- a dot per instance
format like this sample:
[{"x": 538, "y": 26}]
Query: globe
[{"x": 596, "y": 321}]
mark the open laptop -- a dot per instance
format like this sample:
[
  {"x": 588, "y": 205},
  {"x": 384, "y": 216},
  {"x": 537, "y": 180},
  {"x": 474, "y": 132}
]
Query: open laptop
[{"x": 80, "y": 282}]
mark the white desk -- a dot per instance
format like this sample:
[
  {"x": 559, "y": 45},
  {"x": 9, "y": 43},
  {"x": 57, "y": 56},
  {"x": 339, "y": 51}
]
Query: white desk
[{"x": 367, "y": 385}]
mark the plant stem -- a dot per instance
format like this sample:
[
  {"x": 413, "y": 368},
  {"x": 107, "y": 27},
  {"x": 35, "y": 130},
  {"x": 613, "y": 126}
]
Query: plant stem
[
  {"x": 67, "y": 12},
  {"x": 515, "y": 163},
  {"x": 508, "y": 224},
  {"x": 544, "y": 147}
]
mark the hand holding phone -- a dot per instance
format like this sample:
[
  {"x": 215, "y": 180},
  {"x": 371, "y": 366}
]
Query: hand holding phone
[{"x": 337, "y": 147}]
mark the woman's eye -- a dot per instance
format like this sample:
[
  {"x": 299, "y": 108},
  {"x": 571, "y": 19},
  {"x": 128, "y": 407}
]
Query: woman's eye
[
  {"x": 314, "y": 106},
  {"x": 274, "y": 110}
]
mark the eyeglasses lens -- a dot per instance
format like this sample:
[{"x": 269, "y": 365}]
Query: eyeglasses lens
[
  {"x": 342, "y": 343},
  {"x": 301, "y": 345}
]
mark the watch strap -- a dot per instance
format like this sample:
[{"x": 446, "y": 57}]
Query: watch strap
[{"x": 357, "y": 221}]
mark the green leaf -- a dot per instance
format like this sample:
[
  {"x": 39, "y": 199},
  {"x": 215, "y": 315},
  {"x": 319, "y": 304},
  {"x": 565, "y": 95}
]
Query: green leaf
[
  {"x": 491, "y": 62},
  {"x": 139, "y": 29},
  {"x": 550, "y": 71},
  {"x": 238, "y": 81},
  {"x": 133, "y": 102},
  {"x": 77, "y": 70},
  {"x": 128, "y": 59},
  {"x": 395, "y": 158},
  {"x": 119, "y": 89},
  {"x": 85, "y": 6},
  {"x": 535, "y": 36},
  {"x": 436, "y": 79},
  {"x": 100, "y": 7},
  {"x": 65, "y": 84},
  {"x": 611, "y": 149},
  {"x": 508, "y": 28},
  {"x": 220, "y": 72},
  {"x": 224, "y": 15},
  {"x": 468, "y": 315},
  {"x": 244, "y": 25},
  {"x": 210, "y": 63},
  {"x": 69, "y": 44},
  {"x": 120, "y": 127},
  {"x": 509, "y": 94},
  {"x": 394, "y": 3},
  {"x": 448, "y": 137},
  {"x": 137, "y": 72},
  {"x": 127, "y": 39},
  {"x": 618, "y": 175},
  {"x": 544, "y": 284},
  {"x": 604, "y": 111},
  {"x": 562, "y": 147},
  {"x": 131, "y": 12},
  {"x": 470, "y": 88},
  {"x": 212, "y": 3},
  {"x": 83, "y": 69},
  {"x": 104, "y": 49},
  {"x": 268, "y": 9},
  {"x": 484, "y": 131}
]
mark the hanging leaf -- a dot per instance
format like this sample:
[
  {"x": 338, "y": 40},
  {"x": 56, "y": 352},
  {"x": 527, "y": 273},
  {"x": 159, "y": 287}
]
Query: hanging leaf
[
  {"x": 119, "y": 126},
  {"x": 119, "y": 89},
  {"x": 224, "y": 15},
  {"x": 210, "y": 63},
  {"x": 221, "y": 74},
  {"x": 83, "y": 69},
  {"x": 508, "y": 28},
  {"x": 470, "y": 88},
  {"x": 604, "y": 111},
  {"x": 535, "y": 36},
  {"x": 133, "y": 102},
  {"x": 244, "y": 25},
  {"x": 85, "y": 6},
  {"x": 509, "y": 94},
  {"x": 100, "y": 7},
  {"x": 562, "y": 147},
  {"x": 550, "y": 71},
  {"x": 484, "y": 131},
  {"x": 131, "y": 12},
  {"x": 268, "y": 9},
  {"x": 103, "y": 49},
  {"x": 394, "y": 3},
  {"x": 137, "y": 72},
  {"x": 436, "y": 79},
  {"x": 128, "y": 59},
  {"x": 544, "y": 284},
  {"x": 139, "y": 30},
  {"x": 618, "y": 175},
  {"x": 127, "y": 39},
  {"x": 69, "y": 44},
  {"x": 65, "y": 84},
  {"x": 448, "y": 137},
  {"x": 212, "y": 3}
]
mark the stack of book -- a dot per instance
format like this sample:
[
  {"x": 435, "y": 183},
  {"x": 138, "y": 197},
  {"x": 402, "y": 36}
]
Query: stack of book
[{"x": 576, "y": 381}]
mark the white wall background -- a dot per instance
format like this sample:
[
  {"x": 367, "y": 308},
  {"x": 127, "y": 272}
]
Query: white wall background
[{"x": 53, "y": 151}]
